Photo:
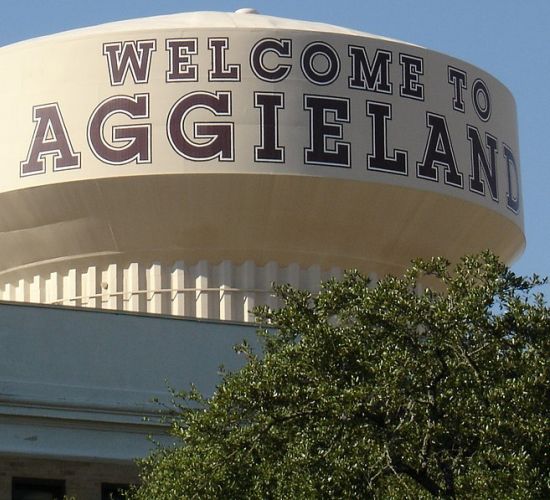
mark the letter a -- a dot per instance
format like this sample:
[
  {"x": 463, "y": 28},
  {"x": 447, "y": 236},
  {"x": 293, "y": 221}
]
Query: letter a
[{"x": 50, "y": 138}]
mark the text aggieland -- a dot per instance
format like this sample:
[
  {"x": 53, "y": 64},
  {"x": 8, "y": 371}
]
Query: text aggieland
[{"x": 355, "y": 88}]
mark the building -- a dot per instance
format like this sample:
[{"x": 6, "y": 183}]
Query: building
[{"x": 159, "y": 174}]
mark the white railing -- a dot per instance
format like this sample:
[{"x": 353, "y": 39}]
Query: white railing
[{"x": 225, "y": 291}]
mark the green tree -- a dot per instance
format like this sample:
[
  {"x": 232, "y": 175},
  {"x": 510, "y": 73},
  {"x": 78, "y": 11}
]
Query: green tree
[{"x": 436, "y": 384}]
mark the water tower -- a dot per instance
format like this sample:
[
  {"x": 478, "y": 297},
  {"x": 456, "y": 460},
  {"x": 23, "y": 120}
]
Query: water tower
[{"x": 181, "y": 164}]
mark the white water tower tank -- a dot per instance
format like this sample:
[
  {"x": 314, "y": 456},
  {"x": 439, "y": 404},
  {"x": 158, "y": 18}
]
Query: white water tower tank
[{"x": 180, "y": 164}]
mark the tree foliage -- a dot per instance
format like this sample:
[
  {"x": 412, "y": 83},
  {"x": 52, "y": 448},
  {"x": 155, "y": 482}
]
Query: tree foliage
[{"x": 387, "y": 391}]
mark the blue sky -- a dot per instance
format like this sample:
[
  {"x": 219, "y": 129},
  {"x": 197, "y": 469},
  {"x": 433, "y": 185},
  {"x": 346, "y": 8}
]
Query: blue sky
[{"x": 508, "y": 38}]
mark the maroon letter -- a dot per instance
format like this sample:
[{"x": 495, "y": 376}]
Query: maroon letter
[
  {"x": 326, "y": 148},
  {"x": 134, "y": 140},
  {"x": 269, "y": 105},
  {"x": 380, "y": 160},
  {"x": 220, "y": 71},
  {"x": 50, "y": 138},
  {"x": 512, "y": 195},
  {"x": 219, "y": 143},
  {"x": 281, "y": 47},
  {"x": 134, "y": 56},
  {"x": 181, "y": 50}
]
